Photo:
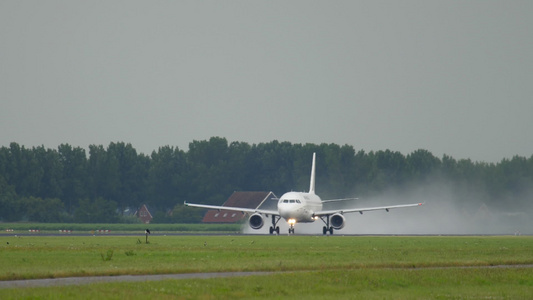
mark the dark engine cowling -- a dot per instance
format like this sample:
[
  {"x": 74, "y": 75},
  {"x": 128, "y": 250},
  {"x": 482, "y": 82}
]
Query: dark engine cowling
[
  {"x": 337, "y": 221},
  {"x": 256, "y": 221}
]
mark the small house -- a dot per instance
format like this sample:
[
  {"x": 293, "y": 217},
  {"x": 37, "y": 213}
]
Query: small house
[{"x": 144, "y": 214}]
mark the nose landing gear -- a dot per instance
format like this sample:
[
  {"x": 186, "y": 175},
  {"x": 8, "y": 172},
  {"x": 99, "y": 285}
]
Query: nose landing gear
[{"x": 291, "y": 225}]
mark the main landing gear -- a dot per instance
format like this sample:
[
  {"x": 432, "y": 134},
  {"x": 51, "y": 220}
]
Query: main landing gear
[
  {"x": 326, "y": 228},
  {"x": 274, "y": 228}
]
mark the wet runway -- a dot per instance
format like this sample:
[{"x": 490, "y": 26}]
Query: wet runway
[
  {"x": 143, "y": 278},
  {"x": 122, "y": 278}
]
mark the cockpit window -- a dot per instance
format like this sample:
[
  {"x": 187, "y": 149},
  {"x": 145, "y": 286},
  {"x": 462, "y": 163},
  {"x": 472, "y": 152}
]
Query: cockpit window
[{"x": 291, "y": 201}]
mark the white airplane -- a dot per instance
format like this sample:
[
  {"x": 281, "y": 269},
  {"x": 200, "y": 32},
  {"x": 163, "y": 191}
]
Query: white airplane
[{"x": 297, "y": 207}]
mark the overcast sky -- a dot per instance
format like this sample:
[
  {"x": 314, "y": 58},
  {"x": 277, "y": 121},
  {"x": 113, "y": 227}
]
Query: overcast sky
[{"x": 452, "y": 77}]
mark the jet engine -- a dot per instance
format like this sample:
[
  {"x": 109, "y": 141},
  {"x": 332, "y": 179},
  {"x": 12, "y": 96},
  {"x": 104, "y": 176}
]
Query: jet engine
[
  {"x": 256, "y": 221},
  {"x": 337, "y": 221}
]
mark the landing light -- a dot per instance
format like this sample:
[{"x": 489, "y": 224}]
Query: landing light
[{"x": 292, "y": 221}]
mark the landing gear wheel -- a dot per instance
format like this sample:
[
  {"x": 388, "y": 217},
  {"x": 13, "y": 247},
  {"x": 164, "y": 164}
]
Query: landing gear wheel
[
  {"x": 274, "y": 228},
  {"x": 324, "y": 230},
  {"x": 291, "y": 230},
  {"x": 331, "y": 230}
]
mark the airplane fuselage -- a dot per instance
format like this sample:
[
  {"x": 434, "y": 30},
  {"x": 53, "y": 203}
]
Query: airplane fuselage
[{"x": 299, "y": 207}]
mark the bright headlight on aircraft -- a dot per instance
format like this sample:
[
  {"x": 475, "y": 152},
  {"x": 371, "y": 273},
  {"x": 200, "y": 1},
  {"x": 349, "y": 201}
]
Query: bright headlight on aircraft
[{"x": 292, "y": 221}]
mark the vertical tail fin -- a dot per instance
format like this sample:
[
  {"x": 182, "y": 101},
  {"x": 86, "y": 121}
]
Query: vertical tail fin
[{"x": 312, "y": 183}]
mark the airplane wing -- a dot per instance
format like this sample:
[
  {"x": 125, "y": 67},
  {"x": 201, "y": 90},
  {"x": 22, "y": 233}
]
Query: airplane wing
[
  {"x": 339, "y": 200},
  {"x": 361, "y": 210},
  {"x": 240, "y": 209}
]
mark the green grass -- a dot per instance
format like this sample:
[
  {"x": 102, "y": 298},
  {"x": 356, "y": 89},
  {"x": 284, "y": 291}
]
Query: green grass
[
  {"x": 335, "y": 284},
  {"x": 313, "y": 266},
  {"x": 138, "y": 227}
]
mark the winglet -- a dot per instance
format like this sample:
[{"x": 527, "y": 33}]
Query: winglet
[{"x": 312, "y": 182}]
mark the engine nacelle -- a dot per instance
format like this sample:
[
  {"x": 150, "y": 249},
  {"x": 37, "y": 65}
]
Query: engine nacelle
[
  {"x": 256, "y": 221},
  {"x": 337, "y": 221}
]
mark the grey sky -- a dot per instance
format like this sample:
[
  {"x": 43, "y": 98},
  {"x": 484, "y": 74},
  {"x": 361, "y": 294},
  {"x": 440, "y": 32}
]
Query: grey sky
[{"x": 452, "y": 77}]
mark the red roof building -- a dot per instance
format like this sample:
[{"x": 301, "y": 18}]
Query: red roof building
[
  {"x": 265, "y": 200},
  {"x": 144, "y": 214}
]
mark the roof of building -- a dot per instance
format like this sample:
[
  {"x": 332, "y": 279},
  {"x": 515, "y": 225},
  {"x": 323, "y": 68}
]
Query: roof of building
[
  {"x": 238, "y": 199},
  {"x": 146, "y": 218}
]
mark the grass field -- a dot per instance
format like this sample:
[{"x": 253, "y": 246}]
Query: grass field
[
  {"x": 315, "y": 267},
  {"x": 78, "y": 228}
]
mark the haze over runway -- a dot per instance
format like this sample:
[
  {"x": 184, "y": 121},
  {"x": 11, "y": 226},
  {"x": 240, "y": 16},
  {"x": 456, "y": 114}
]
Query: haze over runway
[{"x": 452, "y": 77}]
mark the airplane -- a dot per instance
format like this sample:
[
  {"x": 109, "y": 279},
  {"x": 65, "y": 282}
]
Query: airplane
[{"x": 298, "y": 207}]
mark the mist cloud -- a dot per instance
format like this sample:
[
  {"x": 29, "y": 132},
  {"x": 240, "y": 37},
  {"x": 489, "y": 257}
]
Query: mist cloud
[{"x": 446, "y": 210}]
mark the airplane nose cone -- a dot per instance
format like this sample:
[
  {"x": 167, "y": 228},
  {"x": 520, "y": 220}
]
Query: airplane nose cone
[{"x": 284, "y": 212}]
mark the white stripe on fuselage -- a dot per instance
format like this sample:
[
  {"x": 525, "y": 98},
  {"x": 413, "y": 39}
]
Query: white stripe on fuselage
[{"x": 299, "y": 206}]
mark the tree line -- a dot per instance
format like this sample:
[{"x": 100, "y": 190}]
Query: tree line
[{"x": 68, "y": 184}]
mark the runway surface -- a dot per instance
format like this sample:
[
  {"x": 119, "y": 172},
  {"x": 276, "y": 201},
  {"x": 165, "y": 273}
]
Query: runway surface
[
  {"x": 142, "y": 278},
  {"x": 122, "y": 278}
]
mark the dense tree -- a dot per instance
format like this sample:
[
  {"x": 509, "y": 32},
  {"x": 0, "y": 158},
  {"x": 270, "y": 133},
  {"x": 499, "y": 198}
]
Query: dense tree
[
  {"x": 390, "y": 169},
  {"x": 50, "y": 185},
  {"x": 208, "y": 170},
  {"x": 128, "y": 173},
  {"x": 103, "y": 177},
  {"x": 422, "y": 164},
  {"x": 24, "y": 171},
  {"x": 10, "y": 208},
  {"x": 167, "y": 179},
  {"x": 43, "y": 210},
  {"x": 75, "y": 175},
  {"x": 98, "y": 210},
  {"x": 52, "y": 169},
  {"x": 274, "y": 167}
]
